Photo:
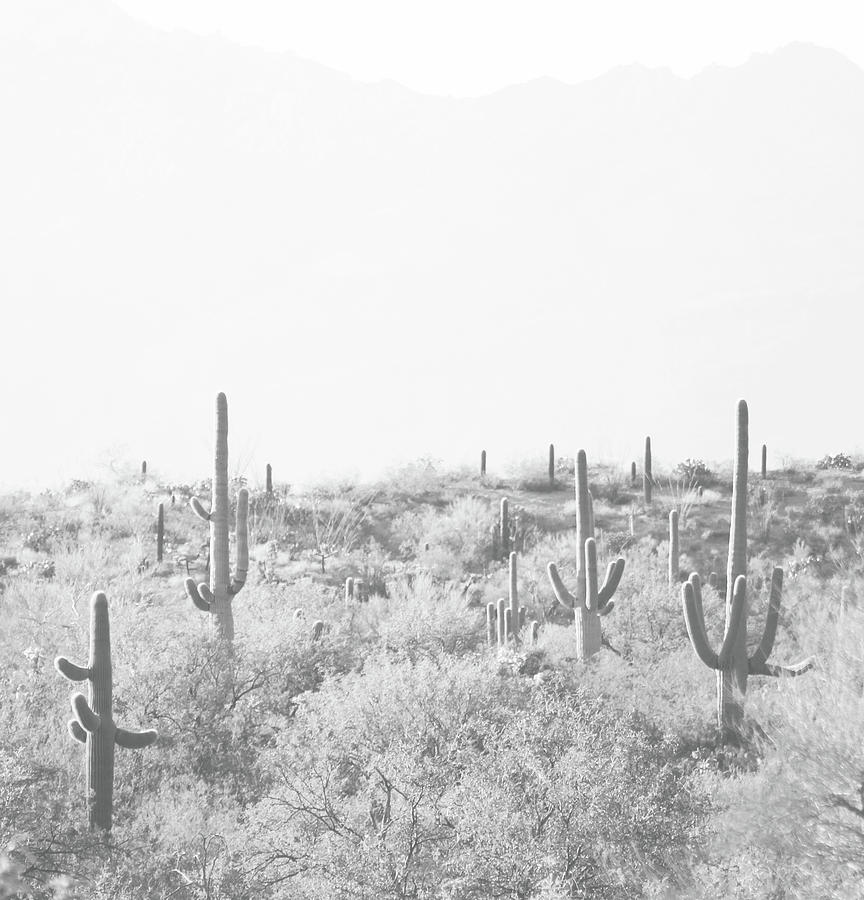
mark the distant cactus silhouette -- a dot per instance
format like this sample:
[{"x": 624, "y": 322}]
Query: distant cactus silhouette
[
  {"x": 588, "y": 602},
  {"x": 482, "y": 463},
  {"x": 647, "y": 476},
  {"x": 551, "y": 464},
  {"x": 216, "y": 597},
  {"x": 504, "y": 527},
  {"x": 93, "y": 724},
  {"x": 732, "y": 662},
  {"x": 633, "y": 473},
  {"x": 268, "y": 480},
  {"x": 143, "y": 469},
  {"x": 764, "y": 460}
]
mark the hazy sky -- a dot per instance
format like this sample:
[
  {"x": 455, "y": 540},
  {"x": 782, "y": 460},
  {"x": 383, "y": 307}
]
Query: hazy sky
[
  {"x": 372, "y": 276},
  {"x": 469, "y": 47}
]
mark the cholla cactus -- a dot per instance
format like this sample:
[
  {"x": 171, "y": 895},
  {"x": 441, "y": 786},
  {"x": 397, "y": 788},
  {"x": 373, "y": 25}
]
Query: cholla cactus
[
  {"x": 732, "y": 663},
  {"x": 216, "y": 597},
  {"x": 589, "y": 602},
  {"x": 93, "y": 724}
]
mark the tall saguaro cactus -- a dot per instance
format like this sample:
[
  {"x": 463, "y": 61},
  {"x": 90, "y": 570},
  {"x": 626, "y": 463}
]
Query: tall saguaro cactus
[
  {"x": 216, "y": 597},
  {"x": 732, "y": 663},
  {"x": 588, "y": 602},
  {"x": 647, "y": 477},
  {"x": 764, "y": 460},
  {"x": 551, "y": 464},
  {"x": 93, "y": 724}
]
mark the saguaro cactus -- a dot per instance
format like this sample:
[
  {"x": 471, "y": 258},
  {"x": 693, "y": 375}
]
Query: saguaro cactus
[
  {"x": 216, "y": 597},
  {"x": 268, "y": 481},
  {"x": 588, "y": 602},
  {"x": 551, "y": 464},
  {"x": 482, "y": 463},
  {"x": 673, "y": 547},
  {"x": 633, "y": 473},
  {"x": 732, "y": 663},
  {"x": 160, "y": 531},
  {"x": 504, "y": 527},
  {"x": 764, "y": 460},
  {"x": 143, "y": 469},
  {"x": 93, "y": 724},
  {"x": 647, "y": 477}
]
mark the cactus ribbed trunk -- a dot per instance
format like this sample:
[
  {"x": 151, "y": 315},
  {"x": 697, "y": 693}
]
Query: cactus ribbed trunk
[
  {"x": 673, "y": 547},
  {"x": 100, "y": 744},
  {"x": 504, "y": 527},
  {"x": 220, "y": 570},
  {"x": 732, "y": 680},
  {"x": 647, "y": 482},
  {"x": 160, "y": 532},
  {"x": 514, "y": 598},
  {"x": 584, "y": 523}
]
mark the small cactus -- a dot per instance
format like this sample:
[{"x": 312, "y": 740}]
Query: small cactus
[
  {"x": 647, "y": 477},
  {"x": 633, "y": 473},
  {"x": 732, "y": 662},
  {"x": 268, "y": 480},
  {"x": 589, "y": 602},
  {"x": 504, "y": 527},
  {"x": 143, "y": 469},
  {"x": 93, "y": 724},
  {"x": 349, "y": 589},
  {"x": 482, "y": 463},
  {"x": 216, "y": 597},
  {"x": 491, "y": 624},
  {"x": 551, "y": 464},
  {"x": 764, "y": 460}
]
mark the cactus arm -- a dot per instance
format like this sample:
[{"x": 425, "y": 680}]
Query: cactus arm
[
  {"x": 86, "y": 718},
  {"x": 736, "y": 621},
  {"x": 199, "y": 510},
  {"x": 760, "y": 657},
  {"x": 134, "y": 740},
  {"x": 607, "y": 608},
  {"x": 691, "y": 594},
  {"x": 564, "y": 596},
  {"x": 242, "y": 566},
  {"x": 613, "y": 578},
  {"x": 198, "y": 594},
  {"x": 763, "y": 668},
  {"x": 77, "y": 731},
  {"x": 70, "y": 670}
]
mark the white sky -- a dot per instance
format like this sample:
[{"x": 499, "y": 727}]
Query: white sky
[{"x": 470, "y": 47}]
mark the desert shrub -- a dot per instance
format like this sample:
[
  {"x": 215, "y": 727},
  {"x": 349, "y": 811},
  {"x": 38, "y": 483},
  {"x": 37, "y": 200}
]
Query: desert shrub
[
  {"x": 837, "y": 461},
  {"x": 421, "y": 616},
  {"x": 458, "y": 537},
  {"x": 695, "y": 471},
  {"x": 444, "y": 778}
]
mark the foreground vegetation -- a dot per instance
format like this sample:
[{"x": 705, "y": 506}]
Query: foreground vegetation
[{"x": 375, "y": 745}]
